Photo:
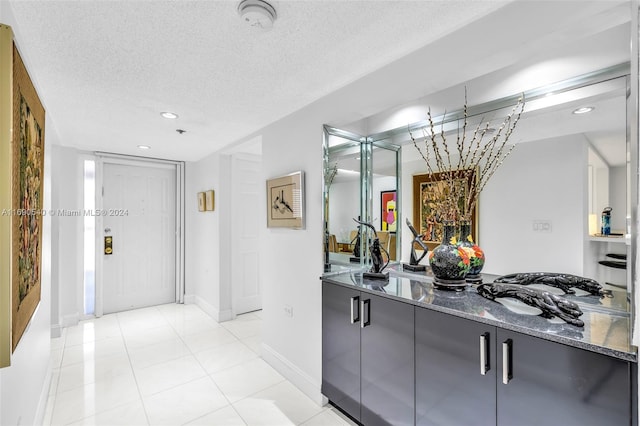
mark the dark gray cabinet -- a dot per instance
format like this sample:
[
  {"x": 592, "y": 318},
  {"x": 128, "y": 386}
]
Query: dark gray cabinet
[
  {"x": 368, "y": 356},
  {"x": 455, "y": 370},
  {"x": 341, "y": 347},
  {"x": 542, "y": 382},
  {"x": 389, "y": 362}
]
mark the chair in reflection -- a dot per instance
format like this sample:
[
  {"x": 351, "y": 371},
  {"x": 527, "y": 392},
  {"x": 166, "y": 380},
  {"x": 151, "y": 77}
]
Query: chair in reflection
[{"x": 333, "y": 244}]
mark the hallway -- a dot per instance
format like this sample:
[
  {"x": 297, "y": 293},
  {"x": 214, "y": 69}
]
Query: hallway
[{"x": 172, "y": 365}]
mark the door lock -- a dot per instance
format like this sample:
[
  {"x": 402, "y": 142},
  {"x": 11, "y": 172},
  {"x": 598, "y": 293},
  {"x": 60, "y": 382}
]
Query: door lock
[{"x": 108, "y": 245}]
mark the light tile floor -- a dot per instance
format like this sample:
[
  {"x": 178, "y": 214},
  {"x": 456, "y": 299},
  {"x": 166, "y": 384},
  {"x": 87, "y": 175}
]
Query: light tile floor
[{"x": 172, "y": 365}]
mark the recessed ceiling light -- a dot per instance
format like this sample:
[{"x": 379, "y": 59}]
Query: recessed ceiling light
[
  {"x": 168, "y": 114},
  {"x": 144, "y": 147},
  {"x": 583, "y": 110}
]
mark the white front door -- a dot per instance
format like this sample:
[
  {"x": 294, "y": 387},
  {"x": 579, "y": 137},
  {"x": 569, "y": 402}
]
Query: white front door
[
  {"x": 245, "y": 279},
  {"x": 139, "y": 215}
]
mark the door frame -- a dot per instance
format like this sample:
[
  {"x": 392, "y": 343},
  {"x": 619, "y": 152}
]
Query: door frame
[
  {"x": 235, "y": 157},
  {"x": 103, "y": 158}
]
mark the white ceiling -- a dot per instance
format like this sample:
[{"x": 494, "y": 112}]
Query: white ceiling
[{"x": 106, "y": 69}]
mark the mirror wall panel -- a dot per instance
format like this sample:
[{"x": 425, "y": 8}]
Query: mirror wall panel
[
  {"x": 541, "y": 211},
  {"x": 342, "y": 198}
]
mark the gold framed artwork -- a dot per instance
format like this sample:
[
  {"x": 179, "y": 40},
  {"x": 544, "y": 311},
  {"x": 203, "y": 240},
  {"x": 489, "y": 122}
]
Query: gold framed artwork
[
  {"x": 428, "y": 191},
  {"x": 285, "y": 201},
  {"x": 209, "y": 200},
  {"x": 201, "y": 202},
  {"x": 6, "y": 119},
  {"x": 27, "y": 188}
]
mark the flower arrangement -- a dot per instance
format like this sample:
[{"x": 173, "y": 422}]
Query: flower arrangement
[
  {"x": 467, "y": 167},
  {"x": 458, "y": 174}
]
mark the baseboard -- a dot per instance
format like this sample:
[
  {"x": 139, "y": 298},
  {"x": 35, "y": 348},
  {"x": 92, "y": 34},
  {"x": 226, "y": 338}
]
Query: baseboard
[
  {"x": 70, "y": 320},
  {"x": 44, "y": 397},
  {"x": 208, "y": 308},
  {"x": 291, "y": 372},
  {"x": 56, "y": 330}
]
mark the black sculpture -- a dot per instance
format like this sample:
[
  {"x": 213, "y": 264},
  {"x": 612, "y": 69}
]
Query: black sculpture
[
  {"x": 376, "y": 256},
  {"x": 414, "y": 261},
  {"x": 356, "y": 245},
  {"x": 550, "y": 304},
  {"x": 565, "y": 282}
]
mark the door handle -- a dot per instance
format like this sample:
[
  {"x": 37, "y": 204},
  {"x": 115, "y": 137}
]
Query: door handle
[
  {"x": 365, "y": 304},
  {"x": 485, "y": 363},
  {"x": 354, "y": 302},
  {"x": 507, "y": 361}
]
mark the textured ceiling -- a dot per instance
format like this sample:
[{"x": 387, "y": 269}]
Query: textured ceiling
[{"x": 106, "y": 69}]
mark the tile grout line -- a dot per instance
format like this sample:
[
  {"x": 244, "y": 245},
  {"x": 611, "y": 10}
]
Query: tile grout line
[{"x": 135, "y": 377}]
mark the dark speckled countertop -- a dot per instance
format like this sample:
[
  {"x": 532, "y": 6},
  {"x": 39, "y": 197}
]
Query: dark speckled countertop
[{"x": 606, "y": 329}]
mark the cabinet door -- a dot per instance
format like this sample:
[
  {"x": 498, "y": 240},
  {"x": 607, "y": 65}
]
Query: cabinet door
[
  {"x": 341, "y": 347},
  {"x": 387, "y": 361},
  {"x": 556, "y": 384},
  {"x": 451, "y": 356}
]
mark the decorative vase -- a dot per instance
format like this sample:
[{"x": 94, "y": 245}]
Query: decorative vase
[
  {"x": 449, "y": 262},
  {"x": 474, "y": 252}
]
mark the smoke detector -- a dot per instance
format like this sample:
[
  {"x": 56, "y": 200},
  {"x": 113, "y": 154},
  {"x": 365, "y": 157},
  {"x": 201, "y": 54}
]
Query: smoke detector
[{"x": 257, "y": 13}]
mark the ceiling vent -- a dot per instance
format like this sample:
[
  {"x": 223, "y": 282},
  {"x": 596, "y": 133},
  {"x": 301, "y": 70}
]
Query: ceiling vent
[{"x": 257, "y": 13}]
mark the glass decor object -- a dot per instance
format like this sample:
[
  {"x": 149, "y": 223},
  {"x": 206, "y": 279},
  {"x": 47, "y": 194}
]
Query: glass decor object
[{"x": 449, "y": 261}]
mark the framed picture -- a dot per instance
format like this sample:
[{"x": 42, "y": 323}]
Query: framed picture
[
  {"x": 285, "y": 201},
  {"x": 209, "y": 200},
  {"x": 201, "y": 202},
  {"x": 388, "y": 213},
  {"x": 6, "y": 123},
  {"x": 27, "y": 193},
  {"x": 428, "y": 193}
]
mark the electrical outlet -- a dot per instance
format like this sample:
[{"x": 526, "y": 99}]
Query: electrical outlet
[
  {"x": 288, "y": 311},
  {"x": 542, "y": 226}
]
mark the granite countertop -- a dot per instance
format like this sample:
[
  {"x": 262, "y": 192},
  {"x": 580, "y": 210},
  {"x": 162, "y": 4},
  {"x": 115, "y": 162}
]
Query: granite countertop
[{"x": 606, "y": 321}]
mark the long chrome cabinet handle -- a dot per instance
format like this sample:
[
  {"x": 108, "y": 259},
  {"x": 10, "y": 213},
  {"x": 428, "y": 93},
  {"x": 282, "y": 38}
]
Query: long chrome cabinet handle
[
  {"x": 354, "y": 301},
  {"x": 365, "y": 304},
  {"x": 507, "y": 366},
  {"x": 484, "y": 354}
]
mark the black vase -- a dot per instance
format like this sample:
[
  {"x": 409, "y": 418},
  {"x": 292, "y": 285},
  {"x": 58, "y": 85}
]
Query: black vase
[{"x": 449, "y": 262}]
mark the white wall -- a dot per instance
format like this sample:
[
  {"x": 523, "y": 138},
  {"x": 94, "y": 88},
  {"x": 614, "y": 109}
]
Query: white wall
[
  {"x": 207, "y": 271},
  {"x": 24, "y": 386},
  {"x": 542, "y": 180},
  {"x": 618, "y": 198},
  {"x": 344, "y": 205},
  {"x": 68, "y": 279}
]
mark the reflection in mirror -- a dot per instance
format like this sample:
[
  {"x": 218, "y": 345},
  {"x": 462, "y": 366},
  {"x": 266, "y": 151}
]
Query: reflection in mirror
[
  {"x": 360, "y": 182},
  {"x": 385, "y": 217},
  {"x": 342, "y": 201},
  {"x": 534, "y": 214},
  {"x": 541, "y": 211}
]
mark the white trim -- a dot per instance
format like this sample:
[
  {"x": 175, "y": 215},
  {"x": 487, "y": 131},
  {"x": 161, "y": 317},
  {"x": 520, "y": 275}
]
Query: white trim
[
  {"x": 56, "y": 331},
  {"x": 180, "y": 226},
  {"x": 70, "y": 320},
  {"x": 98, "y": 308},
  {"x": 295, "y": 375},
  {"x": 41, "y": 410},
  {"x": 208, "y": 308}
]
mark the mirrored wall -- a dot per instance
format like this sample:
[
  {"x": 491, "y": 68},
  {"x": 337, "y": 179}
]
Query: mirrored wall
[
  {"x": 542, "y": 209},
  {"x": 360, "y": 183}
]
